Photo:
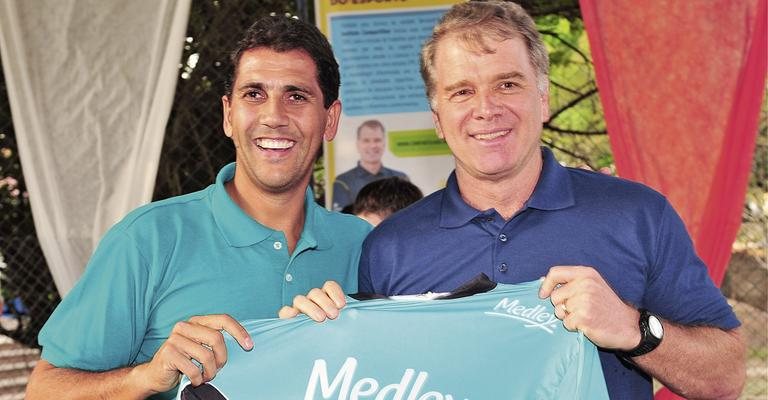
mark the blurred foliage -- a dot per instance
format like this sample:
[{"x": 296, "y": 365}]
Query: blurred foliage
[{"x": 576, "y": 128}]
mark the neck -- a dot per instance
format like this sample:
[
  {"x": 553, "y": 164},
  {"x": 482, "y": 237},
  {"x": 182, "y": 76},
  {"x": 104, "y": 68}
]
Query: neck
[
  {"x": 372, "y": 167},
  {"x": 506, "y": 195},
  {"x": 279, "y": 211}
]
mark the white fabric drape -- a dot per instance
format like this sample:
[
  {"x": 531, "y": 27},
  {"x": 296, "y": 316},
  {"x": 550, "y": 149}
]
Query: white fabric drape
[{"x": 91, "y": 84}]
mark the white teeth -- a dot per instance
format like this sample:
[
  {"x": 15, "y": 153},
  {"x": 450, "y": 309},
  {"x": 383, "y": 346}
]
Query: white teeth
[
  {"x": 492, "y": 135},
  {"x": 274, "y": 144}
]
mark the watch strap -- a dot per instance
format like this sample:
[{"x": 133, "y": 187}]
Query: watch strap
[{"x": 648, "y": 342}]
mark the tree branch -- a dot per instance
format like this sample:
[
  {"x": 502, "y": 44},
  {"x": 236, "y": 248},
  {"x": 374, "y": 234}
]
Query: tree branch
[
  {"x": 563, "y": 87},
  {"x": 567, "y": 44},
  {"x": 548, "y": 125},
  {"x": 569, "y": 152},
  {"x": 573, "y": 102}
]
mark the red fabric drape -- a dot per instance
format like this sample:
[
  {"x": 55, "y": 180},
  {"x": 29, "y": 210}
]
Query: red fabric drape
[{"x": 681, "y": 84}]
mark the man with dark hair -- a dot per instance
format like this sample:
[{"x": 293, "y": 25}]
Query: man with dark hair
[
  {"x": 167, "y": 279},
  {"x": 371, "y": 143},
  {"x": 379, "y": 199},
  {"x": 617, "y": 261}
]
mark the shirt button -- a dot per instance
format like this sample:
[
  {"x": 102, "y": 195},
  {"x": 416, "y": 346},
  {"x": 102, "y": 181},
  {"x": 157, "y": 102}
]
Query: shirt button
[
  {"x": 277, "y": 245},
  {"x": 288, "y": 277},
  {"x": 489, "y": 219},
  {"x": 503, "y": 237},
  {"x": 503, "y": 267}
]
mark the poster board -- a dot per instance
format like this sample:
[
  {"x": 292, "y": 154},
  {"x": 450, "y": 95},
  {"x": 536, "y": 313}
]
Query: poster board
[{"x": 377, "y": 45}]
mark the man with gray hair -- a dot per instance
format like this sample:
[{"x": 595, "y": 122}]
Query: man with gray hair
[{"x": 617, "y": 261}]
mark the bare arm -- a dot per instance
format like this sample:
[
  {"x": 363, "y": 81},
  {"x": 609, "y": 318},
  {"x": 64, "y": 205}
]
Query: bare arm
[
  {"x": 698, "y": 362},
  {"x": 693, "y": 361},
  {"x": 199, "y": 338},
  {"x": 49, "y": 382}
]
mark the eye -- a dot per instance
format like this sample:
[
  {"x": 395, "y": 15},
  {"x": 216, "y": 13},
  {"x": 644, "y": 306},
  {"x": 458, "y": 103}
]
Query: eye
[
  {"x": 297, "y": 97},
  {"x": 460, "y": 94},
  {"x": 253, "y": 94},
  {"x": 509, "y": 85}
]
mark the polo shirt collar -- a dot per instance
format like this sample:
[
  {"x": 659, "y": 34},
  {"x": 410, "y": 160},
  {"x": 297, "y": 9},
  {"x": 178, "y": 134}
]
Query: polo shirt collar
[
  {"x": 553, "y": 191},
  {"x": 241, "y": 230}
]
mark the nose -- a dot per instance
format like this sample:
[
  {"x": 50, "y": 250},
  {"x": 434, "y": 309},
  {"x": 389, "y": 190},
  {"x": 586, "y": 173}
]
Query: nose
[
  {"x": 274, "y": 113},
  {"x": 487, "y": 106}
]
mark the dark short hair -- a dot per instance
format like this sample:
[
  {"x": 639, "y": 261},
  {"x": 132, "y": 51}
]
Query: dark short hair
[
  {"x": 386, "y": 196},
  {"x": 281, "y": 33}
]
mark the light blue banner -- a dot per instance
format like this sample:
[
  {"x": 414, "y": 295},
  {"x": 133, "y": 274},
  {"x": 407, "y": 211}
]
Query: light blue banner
[{"x": 378, "y": 56}]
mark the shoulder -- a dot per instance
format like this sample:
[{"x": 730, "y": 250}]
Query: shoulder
[
  {"x": 394, "y": 172},
  {"x": 602, "y": 189},
  {"x": 347, "y": 225},
  {"x": 414, "y": 220},
  {"x": 346, "y": 175},
  {"x": 167, "y": 214}
]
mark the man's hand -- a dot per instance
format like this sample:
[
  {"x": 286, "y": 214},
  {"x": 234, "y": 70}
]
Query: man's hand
[
  {"x": 199, "y": 338},
  {"x": 585, "y": 302},
  {"x": 318, "y": 304}
]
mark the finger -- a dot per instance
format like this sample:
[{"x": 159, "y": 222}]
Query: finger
[
  {"x": 179, "y": 353},
  {"x": 287, "y": 312},
  {"x": 228, "y": 324},
  {"x": 202, "y": 335},
  {"x": 550, "y": 282},
  {"x": 558, "y": 276},
  {"x": 324, "y": 301},
  {"x": 570, "y": 323},
  {"x": 309, "y": 307},
  {"x": 188, "y": 367},
  {"x": 206, "y": 359},
  {"x": 561, "y": 311},
  {"x": 558, "y": 295},
  {"x": 336, "y": 293}
]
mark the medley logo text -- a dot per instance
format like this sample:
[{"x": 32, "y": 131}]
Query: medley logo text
[
  {"x": 532, "y": 317},
  {"x": 345, "y": 387}
]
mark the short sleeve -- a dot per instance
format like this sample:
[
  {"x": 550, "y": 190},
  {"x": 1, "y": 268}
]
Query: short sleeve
[
  {"x": 679, "y": 287},
  {"x": 100, "y": 324}
]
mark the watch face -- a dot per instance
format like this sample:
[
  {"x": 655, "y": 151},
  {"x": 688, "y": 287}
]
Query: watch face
[{"x": 655, "y": 327}]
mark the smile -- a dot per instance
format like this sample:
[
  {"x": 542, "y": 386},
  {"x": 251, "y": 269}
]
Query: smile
[
  {"x": 490, "y": 135},
  {"x": 275, "y": 144}
]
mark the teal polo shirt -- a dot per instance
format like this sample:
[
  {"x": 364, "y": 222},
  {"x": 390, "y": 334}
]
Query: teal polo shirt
[{"x": 195, "y": 254}]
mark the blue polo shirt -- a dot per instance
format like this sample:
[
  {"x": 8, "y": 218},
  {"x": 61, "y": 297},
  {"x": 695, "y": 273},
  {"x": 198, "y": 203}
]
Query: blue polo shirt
[
  {"x": 627, "y": 231},
  {"x": 348, "y": 184},
  {"x": 195, "y": 254}
]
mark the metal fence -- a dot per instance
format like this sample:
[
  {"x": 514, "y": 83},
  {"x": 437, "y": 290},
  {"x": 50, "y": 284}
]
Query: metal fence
[{"x": 195, "y": 148}]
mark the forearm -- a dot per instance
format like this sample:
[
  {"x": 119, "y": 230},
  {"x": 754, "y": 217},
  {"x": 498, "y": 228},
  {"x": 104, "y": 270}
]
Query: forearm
[
  {"x": 49, "y": 382},
  {"x": 698, "y": 362}
]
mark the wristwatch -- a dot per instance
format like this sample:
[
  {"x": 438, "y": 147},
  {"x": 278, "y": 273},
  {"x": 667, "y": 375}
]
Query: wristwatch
[{"x": 651, "y": 333}]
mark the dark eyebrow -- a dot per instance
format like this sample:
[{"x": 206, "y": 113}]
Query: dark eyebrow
[
  {"x": 294, "y": 88},
  {"x": 251, "y": 85},
  {"x": 286, "y": 88}
]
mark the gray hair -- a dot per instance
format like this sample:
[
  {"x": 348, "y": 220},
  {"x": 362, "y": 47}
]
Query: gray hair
[{"x": 475, "y": 22}]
